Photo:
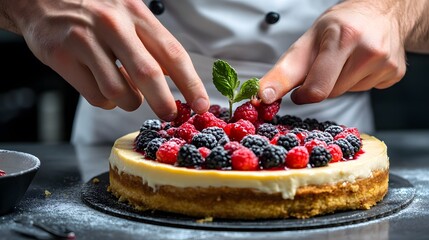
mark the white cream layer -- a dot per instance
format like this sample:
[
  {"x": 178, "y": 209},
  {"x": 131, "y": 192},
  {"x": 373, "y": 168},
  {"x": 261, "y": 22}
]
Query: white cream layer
[{"x": 285, "y": 182}]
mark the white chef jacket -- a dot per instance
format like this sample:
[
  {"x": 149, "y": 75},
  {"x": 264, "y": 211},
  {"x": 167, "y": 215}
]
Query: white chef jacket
[{"x": 233, "y": 30}]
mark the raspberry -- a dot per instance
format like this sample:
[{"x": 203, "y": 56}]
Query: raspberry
[
  {"x": 204, "y": 140},
  {"x": 151, "y": 124},
  {"x": 355, "y": 142},
  {"x": 204, "y": 151},
  {"x": 346, "y": 132},
  {"x": 255, "y": 143},
  {"x": 323, "y": 136},
  {"x": 240, "y": 129},
  {"x": 217, "y": 132},
  {"x": 336, "y": 152},
  {"x": 346, "y": 148},
  {"x": 319, "y": 157},
  {"x": 288, "y": 141},
  {"x": 289, "y": 120},
  {"x": 245, "y": 160},
  {"x": 267, "y": 130},
  {"x": 297, "y": 157},
  {"x": 334, "y": 130},
  {"x": 267, "y": 112},
  {"x": 300, "y": 133},
  {"x": 179, "y": 141},
  {"x": 207, "y": 119},
  {"x": 143, "y": 138},
  {"x": 152, "y": 147},
  {"x": 183, "y": 114},
  {"x": 218, "y": 159},
  {"x": 247, "y": 112},
  {"x": 272, "y": 157},
  {"x": 232, "y": 146},
  {"x": 167, "y": 152},
  {"x": 313, "y": 143},
  {"x": 171, "y": 131},
  {"x": 189, "y": 156},
  {"x": 215, "y": 109},
  {"x": 186, "y": 131}
]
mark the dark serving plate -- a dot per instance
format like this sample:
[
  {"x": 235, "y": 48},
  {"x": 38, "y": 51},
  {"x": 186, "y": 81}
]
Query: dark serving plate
[{"x": 20, "y": 170}]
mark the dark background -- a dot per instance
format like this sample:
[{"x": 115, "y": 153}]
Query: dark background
[{"x": 38, "y": 105}]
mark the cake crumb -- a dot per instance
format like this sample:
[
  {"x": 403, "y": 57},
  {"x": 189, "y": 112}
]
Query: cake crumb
[
  {"x": 95, "y": 180},
  {"x": 47, "y": 193},
  {"x": 206, "y": 219}
]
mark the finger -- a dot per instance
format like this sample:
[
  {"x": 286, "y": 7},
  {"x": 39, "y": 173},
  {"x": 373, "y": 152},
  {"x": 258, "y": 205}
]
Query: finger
[
  {"x": 336, "y": 45},
  {"x": 290, "y": 71},
  {"x": 171, "y": 55},
  {"x": 100, "y": 62}
]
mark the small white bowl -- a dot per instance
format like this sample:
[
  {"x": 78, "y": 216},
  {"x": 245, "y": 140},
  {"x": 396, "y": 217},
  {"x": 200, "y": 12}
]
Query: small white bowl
[{"x": 20, "y": 170}]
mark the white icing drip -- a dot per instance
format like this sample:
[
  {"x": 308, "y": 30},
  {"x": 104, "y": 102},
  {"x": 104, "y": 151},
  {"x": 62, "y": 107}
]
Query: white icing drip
[{"x": 286, "y": 182}]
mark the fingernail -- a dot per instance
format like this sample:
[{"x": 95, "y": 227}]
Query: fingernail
[
  {"x": 268, "y": 95},
  {"x": 200, "y": 105}
]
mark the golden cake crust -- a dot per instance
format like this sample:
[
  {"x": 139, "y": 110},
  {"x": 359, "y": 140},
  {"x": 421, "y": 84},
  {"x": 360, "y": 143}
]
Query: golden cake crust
[{"x": 217, "y": 194}]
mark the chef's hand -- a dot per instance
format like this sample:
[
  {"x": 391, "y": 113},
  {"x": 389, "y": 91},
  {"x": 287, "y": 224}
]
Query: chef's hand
[
  {"x": 354, "y": 46},
  {"x": 81, "y": 40}
]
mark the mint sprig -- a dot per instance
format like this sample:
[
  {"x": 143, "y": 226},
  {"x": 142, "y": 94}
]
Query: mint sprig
[{"x": 226, "y": 82}]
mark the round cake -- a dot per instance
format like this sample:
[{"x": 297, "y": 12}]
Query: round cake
[{"x": 278, "y": 169}]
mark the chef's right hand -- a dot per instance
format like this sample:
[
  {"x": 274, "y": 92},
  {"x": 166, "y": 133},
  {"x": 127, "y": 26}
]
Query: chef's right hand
[{"x": 81, "y": 40}]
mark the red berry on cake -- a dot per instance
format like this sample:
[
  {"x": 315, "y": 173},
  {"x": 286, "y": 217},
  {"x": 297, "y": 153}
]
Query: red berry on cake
[
  {"x": 247, "y": 112},
  {"x": 313, "y": 143},
  {"x": 204, "y": 151},
  {"x": 207, "y": 119},
  {"x": 240, "y": 129},
  {"x": 336, "y": 152},
  {"x": 267, "y": 112},
  {"x": 245, "y": 160},
  {"x": 186, "y": 131},
  {"x": 297, "y": 157},
  {"x": 232, "y": 146},
  {"x": 167, "y": 152},
  {"x": 183, "y": 113}
]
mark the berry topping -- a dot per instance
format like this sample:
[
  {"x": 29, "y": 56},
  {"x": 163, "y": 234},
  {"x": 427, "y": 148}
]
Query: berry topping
[
  {"x": 255, "y": 143},
  {"x": 186, "y": 132},
  {"x": 267, "y": 130},
  {"x": 319, "y": 157},
  {"x": 167, "y": 152},
  {"x": 297, "y": 157},
  {"x": 183, "y": 113},
  {"x": 151, "y": 124},
  {"x": 207, "y": 119},
  {"x": 152, "y": 147},
  {"x": 336, "y": 152},
  {"x": 268, "y": 111},
  {"x": 319, "y": 135},
  {"x": 204, "y": 151},
  {"x": 244, "y": 159},
  {"x": 272, "y": 157},
  {"x": 217, "y": 132},
  {"x": 218, "y": 159},
  {"x": 334, "y": 130},
  {"x": 247, "y": 112},
  {"x": 143, "y": 138},
  {"x": 232, "y": 146},
  {"x": 204, "y": 140},
  {"x": 355, "y": 142},
  {"x": 189, "y": 156},
  {"x": 288, "y": 141},
  {"x": 346, "y": 147},
  {"x": 289, "y": 120},
  {"x": 313, "y": 143},
  {"x": 240, "y": 129}
]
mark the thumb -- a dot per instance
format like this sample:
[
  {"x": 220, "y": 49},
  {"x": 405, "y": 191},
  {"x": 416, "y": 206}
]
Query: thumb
[{"x": 290, "y": 70}]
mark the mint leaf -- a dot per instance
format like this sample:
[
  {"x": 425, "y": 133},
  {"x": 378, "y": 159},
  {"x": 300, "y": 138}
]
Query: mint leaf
[
  {"x": 248, "y": 89},
  {"x": 225, "y": 78}
]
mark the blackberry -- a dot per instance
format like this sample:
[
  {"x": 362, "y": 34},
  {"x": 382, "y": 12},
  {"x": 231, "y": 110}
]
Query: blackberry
[
  {"x": 218, "y": 159},
  {"x": 299, "y": 130},
  {"x": 288, "y": 141},
  {"x": 319, "y": 157},
  {"x": 151, "y": 124},
  {"x": 326, "y": 124},
  {"x": 204, "y": 140},
  {"x": 334, "y": 130},
  {"x": 224, "y": 140},
  {"x": 255, "y": 143},
  {"x": 152, "y": 147},
  {"x": 217, "y": 132},
  {"x": 143, "y": 138},
  {"x": 289, "y": 120},
  {"x": 323, "y": 136},
  {"x": 346, "y": 147},
  {"x": 272, "y": 156},
  {"x": 355, "y": 142},
  {"x": 224, "y": 114},
  {"x": 312, "y": 123},
  {"x": 267, "y": 130},
  {"x": 189, "y": 156},
  {"x": 301, "y": 125}
]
